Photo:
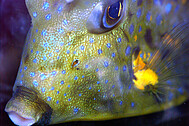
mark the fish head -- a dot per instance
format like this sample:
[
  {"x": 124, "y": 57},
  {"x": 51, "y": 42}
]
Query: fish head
[{"x": 66, "y": 68}]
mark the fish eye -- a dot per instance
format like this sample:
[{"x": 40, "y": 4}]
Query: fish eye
[{"x": 106, "y": 15}]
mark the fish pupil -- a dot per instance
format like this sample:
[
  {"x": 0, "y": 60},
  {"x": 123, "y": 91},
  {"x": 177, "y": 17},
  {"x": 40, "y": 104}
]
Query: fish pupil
[{"x": 114, "y": 11}]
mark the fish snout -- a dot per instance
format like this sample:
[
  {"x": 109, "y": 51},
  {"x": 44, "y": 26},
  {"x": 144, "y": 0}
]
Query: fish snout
[{"x": 25, "y": 108}]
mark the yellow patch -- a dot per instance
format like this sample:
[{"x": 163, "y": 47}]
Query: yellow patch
[{"x": 135, "y": 38}]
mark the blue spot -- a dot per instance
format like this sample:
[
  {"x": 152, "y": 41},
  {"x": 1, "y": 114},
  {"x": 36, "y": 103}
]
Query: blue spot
[
  {"x": 83, "y": 76},
  {"x": 62, "y": 82},
  {"x": 57, "y": 102},
  {"x": 36, "y": 30},
  {"x": 113, "y": 55},
  {"x": 37, "y": 52},
  {"x": 53, "y": 73},
  {"x": 140, "y": 29},
  {"x": 131, "y": 29},
  {"x": 43, "y": 90},
  {"x": 59, "y": 9},
  {"x": 106, "y": 81},
  {"x": 99, "y": 90},
  {"x": 139, "y": 12},
  {"x": 34, "y": 14},
  {"x": 121, "y": 102},
  {"x": 75, "y": 78},
  {"x": 64, "y": 94},
  {"x": 63, "y": 72},
  {"x": 98, "y": 82},
  {"x": 89, "y": 88},
  {"x": 80, "y": 94},
  {"x": 52, "y": 88},
  {"x": 86, "y": 66},
  {"x": 44, "y": 32},
  {"x": 170, "y": 97},
  {"x": 35, "y": 83},
  {"x": 48, "y": 17},
  {"x": 156, "y": 2},
  {"x": 129, "y": 88},
  {"x": 50, "y": 54},
  {"x": 21, "y": 82},
  {"x": 113, "y": 95},
  {"x": 127, "y": 50},
  {"x": 20, "y": 70},
  {"x": 61, "y": 43},
  {"x": 82, "y": 47},
  {"x": 97, "y": 70},
  {"x": 113, "y": 86},
  {"x": 65, "y": 22},
  {"x": 60, "y": 30},
  {"x": 119, "y": 40},
  {"x": 68, "y": 51},
  {"x": 168, "y": 8},
  {"x": 177, "y": 8},
  {"x": 45, "y": 5},
  {"x": 133, "y": 1},
  {"x": 148, "y": 15},
  {"x": 141, "y": 55},
  {"x": 75, "y": 110},
  {"x": 58, "y": 92},
  {"x": 180, "y": 90},
  {"x": 169, "y": 82},
  {"x": 106, "y": 64},
  {"x": 116, "y": 68},
  {"x": 69, "y": 99},
  {"x": 108, "y": 45},
  {"x": 44, "y": 58},
  {"x": 132, "y": 104},
  {"x": 74, "y": 52},
  {"x": 43, "y": 76},
  {"x": 68, "y": 85},
  {"x": 91, "y": 40},
  {"x": 158, "y": 19},
  {"x": 25, "y": 68},
  {"x": 99, "y": 51},
  {"x": 49, "y": 98},
  {"x": 69, "y": 43},
  {"x": 94, "y": 98},
  {"x": 35, "y": 60},
  {"x": 124, "y": 68}
]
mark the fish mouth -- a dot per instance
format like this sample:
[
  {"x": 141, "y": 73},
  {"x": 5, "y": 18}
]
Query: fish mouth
[{"x": 25, "y": 108}]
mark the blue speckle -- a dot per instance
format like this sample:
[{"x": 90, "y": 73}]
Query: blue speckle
[
  {"x": 113, "y": 55},
  {"x": 158, "y": 19},
  {"x": 44, "y": 58},
  {"x": 60, "y": 30},
  {"x": 37, "y": 52},
  {"x": 80, "y": 94},
  {"x": 68, "y": 85},
  {"x": 121, "y": 102},
  {"x": 62, "y": 82},
  {"x": 49, "y": 98},
  {"x": 170, "y": 97},
  {"x": 131, "y": 29},
  {"x": 48, "y": 17},
  {"x": 58, "y": 92},
  {"x": 57, "y": 50},
  {"x": 129, "y": 88},
  {"x": 36, "y": 30},
  {"x": 169, "y": 82},
  {"x": 141, "y": 55},
  {"x": 53, "y": 73},
  {"x": 177, "y": 8},
  {"x": 119, "y": 40},
  {"x": 148, "y": 15},
  {"x": 94, "y": 98},
  {"x": 43, "y": 90},
  {"x": 91, "y": 40},
  {"x": 156, "y": 2},
  {"x": 74, "y": 52},
  {"x": 133, "y": 1},
  {"x": 106, "y": 64},
  {"x": 127, "y": 50},
  {"x": 76, "y": 110},
  {"x": 75, "y": 78},
  {"x": 99, "y": 90},
  {"x": 116, "y": 68},
  {"x": 59, "y": 9},
  {"x": 43, "y": 76},
  {"x": 124, "y": 68},
  {"x": 44, "y": 32},
  {"x": 83, "y": 76},
  {"x": 34, "y": 14},
  {"x": 69, "y": 99},
  {"x": 140, "y": 29},
  {"x": 65, "y": 22},
  {"x": 90, "y": 88},
  {"x": 180, "y": 90},
  {"x": 35, "y": 83},
  {"x": 82, "y": 47},
  {"x": 99, "y": 51},
  {"x": 35, "y": 61},
  {"x": 108, "y": 45},
  {"x": 86, "y": 66},
  {"x": 21, "y": 82},
  {"x": 52, "y": 88},
  {"x": 57, "y": 102},
  {"x": 20, "y": 70},
  {"x": 64, "y": 94},
  {"x": 97, "y": 70},
  {"x": 61, "y": 43},
  {"x": 63, "y": 72},
  {"x": 113, "y": 86},
  {"x": 139, "y": 12},
  {"x": 168, "y": 8},
  {"x": 106, "y": 81},
  {"x": 132, "y": 104},
  {"x": 68, "y": 51},
  {"x": 98, "y": 82},
  {"x": 25, "y": 68},
  {"x": 45, "y": 5}
]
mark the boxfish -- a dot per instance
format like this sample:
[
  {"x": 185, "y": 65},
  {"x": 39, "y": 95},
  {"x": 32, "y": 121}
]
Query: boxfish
[{"x": 90, "y": 60}]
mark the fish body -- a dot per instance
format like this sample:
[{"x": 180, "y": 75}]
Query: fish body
[{"x": 99, "y": 60}]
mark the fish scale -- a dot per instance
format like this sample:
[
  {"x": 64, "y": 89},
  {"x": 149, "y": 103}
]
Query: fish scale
[{"x": 83, "y": 75}]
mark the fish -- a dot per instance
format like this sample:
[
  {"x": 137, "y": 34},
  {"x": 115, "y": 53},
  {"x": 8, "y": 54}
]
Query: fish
[{"x": 89, "y": 60}]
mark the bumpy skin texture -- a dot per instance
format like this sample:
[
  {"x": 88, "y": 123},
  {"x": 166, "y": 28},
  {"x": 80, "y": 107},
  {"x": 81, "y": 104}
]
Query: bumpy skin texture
[{"x": 89, "y": 76}]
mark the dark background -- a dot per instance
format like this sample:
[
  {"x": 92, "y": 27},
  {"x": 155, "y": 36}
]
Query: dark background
[{"x": 14, "y": 24}]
